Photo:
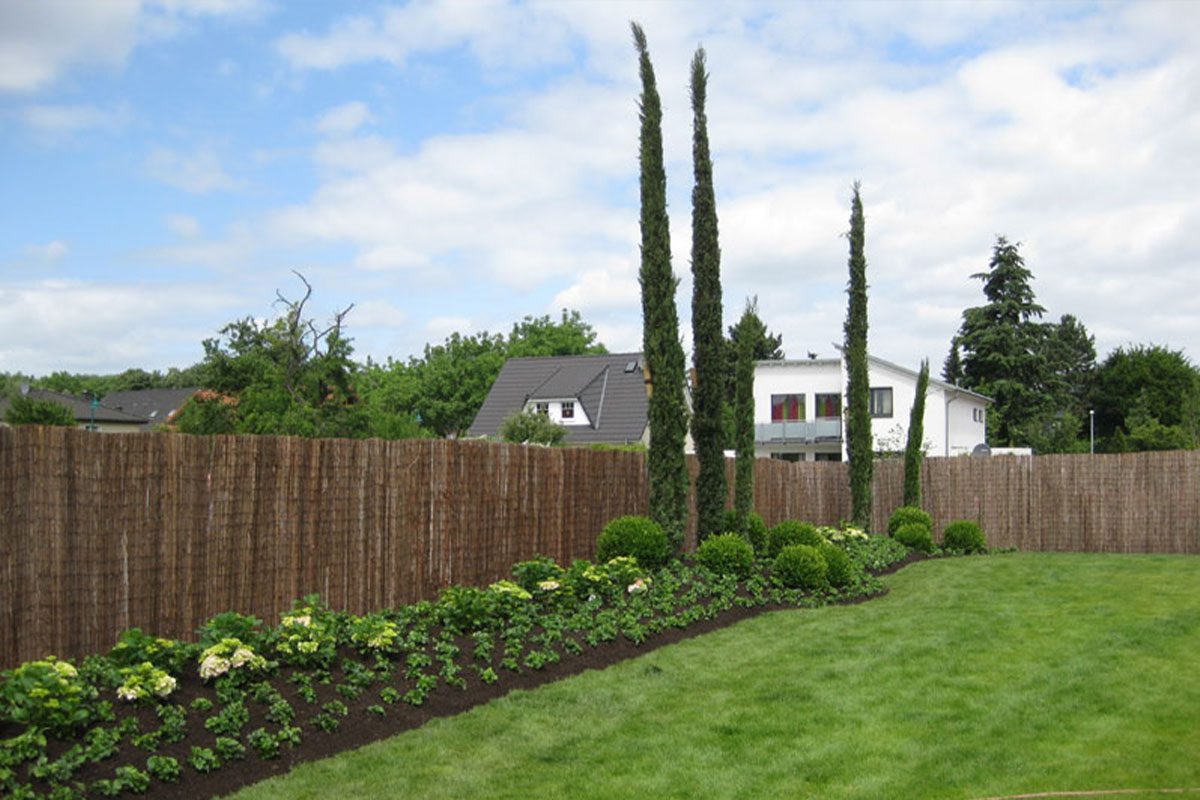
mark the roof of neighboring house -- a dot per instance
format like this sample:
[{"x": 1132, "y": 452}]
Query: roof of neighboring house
[
  {"x": 610, "y": 388},
  {"x": 153, "y": 405},
  {"x": 80, "y": 407}
]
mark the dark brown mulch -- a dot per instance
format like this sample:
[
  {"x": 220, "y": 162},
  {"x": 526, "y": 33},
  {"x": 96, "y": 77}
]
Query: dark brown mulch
[{"x": 359, "y": 727}]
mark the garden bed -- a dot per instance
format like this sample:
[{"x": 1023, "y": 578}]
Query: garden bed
[{"x": 369, "y": 678}]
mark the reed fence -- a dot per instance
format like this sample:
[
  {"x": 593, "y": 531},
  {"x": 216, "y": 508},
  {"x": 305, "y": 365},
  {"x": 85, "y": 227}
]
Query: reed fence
[{"x": 99, "y": 533}]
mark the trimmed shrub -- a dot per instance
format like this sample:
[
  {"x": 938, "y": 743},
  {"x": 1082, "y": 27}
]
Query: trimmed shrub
[
  {"x": 915, "y": 536},
  {"x": 840, "y": 568},
  {"x": 908, "y": 515},
  {"x": 639, "y": 537},
  {"x": 727, "y": 554},
  {"x": 964, "y": 535},
  {"x": 790, "y": 532},
  {"x": 756, "y": 532},
  {"x": 800, "y": 566}
]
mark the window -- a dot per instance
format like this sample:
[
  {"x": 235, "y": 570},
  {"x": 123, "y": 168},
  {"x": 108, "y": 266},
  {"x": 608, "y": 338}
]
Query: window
[
  {"x": 828, "y": 456},
  {"x": 542, "y": 408},
  {"x": 787, "y": 407},
  {"x": 829, "y": 405},
  {"x": 793, "y": 457},
  {"x": 568, "y": 410},
  {"x": 881, "y": 402},
  {"x": 977, "y": 414}
]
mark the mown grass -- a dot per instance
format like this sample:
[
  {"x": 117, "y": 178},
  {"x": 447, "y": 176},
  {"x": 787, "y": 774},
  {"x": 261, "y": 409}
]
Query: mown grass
[{"x": 974, "y": 677}]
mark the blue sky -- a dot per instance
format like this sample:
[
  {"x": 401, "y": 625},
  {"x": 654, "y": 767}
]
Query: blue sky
[{"x": 165, "y": 165}]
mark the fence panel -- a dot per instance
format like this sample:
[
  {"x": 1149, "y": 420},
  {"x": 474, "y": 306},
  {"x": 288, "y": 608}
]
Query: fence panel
[{"x": 99, "y": 533}]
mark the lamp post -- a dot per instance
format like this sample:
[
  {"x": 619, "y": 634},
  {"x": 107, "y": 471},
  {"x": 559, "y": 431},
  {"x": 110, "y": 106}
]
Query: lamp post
[
  {"x": 95, "y": 403},
  {"x": 1092, "y": 430}
]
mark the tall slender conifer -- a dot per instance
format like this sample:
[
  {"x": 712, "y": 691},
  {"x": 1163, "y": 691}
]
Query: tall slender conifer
[
  {"x": 743, "y": 415},
  {"x": 663, "y": 353},
  {"x": 859, "y": 443},
  {"x": 914, "y": 453},
  {"x": 708, "y": 344}
]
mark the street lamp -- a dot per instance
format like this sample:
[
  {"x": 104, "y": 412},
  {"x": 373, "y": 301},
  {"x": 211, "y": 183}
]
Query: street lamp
[{"x": 1092, "y": 429}]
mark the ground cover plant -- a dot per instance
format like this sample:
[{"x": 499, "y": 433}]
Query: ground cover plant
[
  {"x": 248, "y": 700},
  {"x": 972, "y": 678}
]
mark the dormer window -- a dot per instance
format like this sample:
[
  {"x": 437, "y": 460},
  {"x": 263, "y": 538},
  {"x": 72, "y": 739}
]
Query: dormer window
[{"x": 568, "y": 410}]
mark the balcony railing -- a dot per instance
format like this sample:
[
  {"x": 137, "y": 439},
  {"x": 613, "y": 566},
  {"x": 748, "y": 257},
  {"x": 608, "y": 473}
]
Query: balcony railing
[{"x": 824, "y": 429}]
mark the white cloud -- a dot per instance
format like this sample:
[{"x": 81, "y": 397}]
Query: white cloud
[
  {"x": 51, "y": 251},
  {"x": 97, "y": 327},
  {"x": 41, "y": 41},
  {"x": 499, "y": 33},
  {"x": 63, "y": 120},
  {"x": 183, "y": 225},
  {"x": 345, "y": 119},
  {"x": 197, "y": 172}
]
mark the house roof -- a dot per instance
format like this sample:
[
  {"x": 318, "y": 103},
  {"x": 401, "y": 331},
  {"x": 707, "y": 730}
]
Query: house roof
[
  {"x": 80, "y": 408},
  {"x": 153, "y": 405},
  {"x": 614, "y": 399}
]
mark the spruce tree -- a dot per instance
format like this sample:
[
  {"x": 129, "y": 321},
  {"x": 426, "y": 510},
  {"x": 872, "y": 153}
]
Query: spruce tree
[
  {"x": 663, "y": 353},
  {"x": 859, "y": 444},
  {"x": 708, "y": 352},
  {"x": 743, "y": 414},
  {"x": 952, "y": 367},
  {"x": 1003, "y": 353},
  {"x": 913, "y": 452}
]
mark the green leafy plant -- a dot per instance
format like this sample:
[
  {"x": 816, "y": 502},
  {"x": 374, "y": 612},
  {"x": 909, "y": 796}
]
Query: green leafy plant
[
  {"x": 230, "y": 657},
  {"x": 201, "y": 704},
  {"x": 202, "y": 759},
  {"x": 163, "y": 768},
  {"x": 792, "y": 532},
  {"x": 144, "y": 682},
  {"x": 639, "y": 537},
  {"x": 727, "y": 554},
  {"x": 306, "y": 636},
  {"x": 229, "y": 721},
  {"x": 266, "y": 745},
  {"x": 47, "y": 693},
  {"x": 533, "y": 573},
  {"x": 756, "y": 532},
  {"x": 800, "y": 566},
  {"x": 230, "y": 749},
  {"x": 174, "y": 722},
  {"x": 915, "y": 536},
  {"x": 231, "y": 625},
  {"x": 965, "y": 536},
  {"x": 134, "y": 647},
  {"x": 373, "y": 633},
  {"x": 908, "y": 515}
]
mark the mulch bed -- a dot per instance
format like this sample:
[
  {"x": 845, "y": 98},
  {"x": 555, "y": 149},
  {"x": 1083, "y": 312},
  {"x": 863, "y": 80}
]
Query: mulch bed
[{"x": 359, "y": 727}]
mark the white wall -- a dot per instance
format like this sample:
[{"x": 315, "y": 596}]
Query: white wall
[
  {"x": 828, "y": 376},
  {"x": 555, "y": 412}
]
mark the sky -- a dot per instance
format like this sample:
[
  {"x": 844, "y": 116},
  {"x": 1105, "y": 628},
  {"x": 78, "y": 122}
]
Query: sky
[{"x": 165, "y": 166}]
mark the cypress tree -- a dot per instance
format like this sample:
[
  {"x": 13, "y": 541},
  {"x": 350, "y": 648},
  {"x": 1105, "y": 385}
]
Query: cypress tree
[
  {"x": 663, "y": 353},
  {"x": 913, "y": 454},
  {"x": 743, "y": 414},
  {"x": 859, "y": 445},
  {"x": 709, "y": 391},
  {"x": 952, "y": 367}
]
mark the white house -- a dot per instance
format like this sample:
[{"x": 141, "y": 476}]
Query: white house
[{"x": 798, "y": 410}]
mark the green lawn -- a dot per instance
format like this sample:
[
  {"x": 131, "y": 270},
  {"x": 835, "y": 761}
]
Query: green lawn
[{"x": 974, "y": 677}]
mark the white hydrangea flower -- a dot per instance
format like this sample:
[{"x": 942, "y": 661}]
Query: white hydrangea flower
[
  {"x": 164, "y": 686},
  {"x": 241, "y": 656},
  {"x": 128, "y": 693},
  {"x": 548, "y": 586},
  {"x": 213, "y": 665}
]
